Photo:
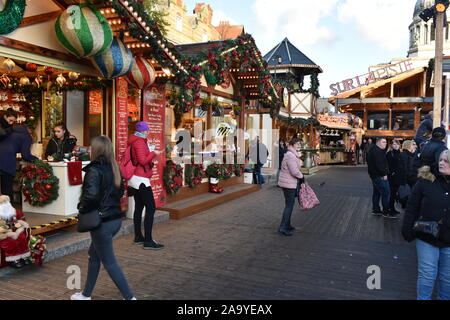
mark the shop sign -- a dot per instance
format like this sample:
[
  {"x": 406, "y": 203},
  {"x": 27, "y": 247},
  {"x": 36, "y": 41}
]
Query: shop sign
[
  {"x": 154, "y": 113},
  {"x": 371, "y": 77},
  {"x": 121, "y": 116},
  {"x": 95, "y": 102},
  {"x": 333, "y": 121}
]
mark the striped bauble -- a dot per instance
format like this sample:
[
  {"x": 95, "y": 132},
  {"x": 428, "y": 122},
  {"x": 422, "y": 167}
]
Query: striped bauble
[
  {"x": 83, "y": 31},
  {"x": 115, "y": 61},
  {"x": 142, "y": 74}
]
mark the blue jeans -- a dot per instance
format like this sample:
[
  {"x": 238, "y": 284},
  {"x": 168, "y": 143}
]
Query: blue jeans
[
  {"x": 381, "y": 189},
  {"x": 289, "y": 197},
  {"x": 260, "y": 178},
  {"x": 101, "y": 251},
  {"x": 434, "y": 264}
]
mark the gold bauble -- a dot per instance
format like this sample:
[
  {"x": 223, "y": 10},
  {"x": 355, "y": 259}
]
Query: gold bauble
[
  {"x": 24, "y": 81},
  {"x": 73, "y": 76}
]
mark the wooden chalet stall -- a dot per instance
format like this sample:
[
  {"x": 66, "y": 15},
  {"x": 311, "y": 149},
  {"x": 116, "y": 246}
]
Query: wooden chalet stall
[{"x": 391, "y": 106}]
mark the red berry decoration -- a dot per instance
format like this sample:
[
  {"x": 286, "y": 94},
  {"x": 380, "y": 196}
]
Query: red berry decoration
[
  {"x": 48, "y": 187},
  {"x": 49, "y": 71}
]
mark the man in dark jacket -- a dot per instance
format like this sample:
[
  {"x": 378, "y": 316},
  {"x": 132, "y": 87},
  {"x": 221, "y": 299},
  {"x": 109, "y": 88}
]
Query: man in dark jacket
[
  {"x": 378, "y": 171},
  {"x": 424, "y": 131},
  {"x": 258, "y": 154},
  {"x": 19, "y": 141},
  {"x": 430, "y": 151}
]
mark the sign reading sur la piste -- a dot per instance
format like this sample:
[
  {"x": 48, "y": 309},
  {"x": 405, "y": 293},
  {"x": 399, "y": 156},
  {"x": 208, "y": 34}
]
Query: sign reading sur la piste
[{"x": 371, "y": 77}]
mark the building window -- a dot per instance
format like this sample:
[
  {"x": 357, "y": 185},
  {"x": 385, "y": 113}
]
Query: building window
[
  {"x": 205, "y": 36},
  {"x": 179, "y": 23},
  {"x": 402, "y": 120},
  {"x": 426, "y": 35},
  {"x": 378, "y": 120},
  {"x": 433, "y": 33},
  {"x": 418, "y": 34},
  {"x": 168, "y": 3}
]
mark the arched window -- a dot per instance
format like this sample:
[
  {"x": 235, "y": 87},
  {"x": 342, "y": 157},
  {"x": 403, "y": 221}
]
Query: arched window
[
  {"x": 433, "y": 32},
  {"x": 419, "y": 38},
  {"x": 426, "y": 33}
]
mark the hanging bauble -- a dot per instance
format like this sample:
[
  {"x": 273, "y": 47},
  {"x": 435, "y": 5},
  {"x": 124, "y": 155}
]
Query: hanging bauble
[
  {"x": 9, "y": 65},
  {"x": 5, "y": 80},
  {"x": 142, "y": 74},
  {"x": 49, "y": 71},
  {"x": 60, "y": 80},
  {"x": 73, "y": 76},
  {"x": 83, "y": 30},
  {"x": 24, "y": 81},
  {"x": 38, "y": 81},
  {"x": 114, "y": 62},
  {"x": 11, "y": 15},
  {"x": 31, "y": 67}
]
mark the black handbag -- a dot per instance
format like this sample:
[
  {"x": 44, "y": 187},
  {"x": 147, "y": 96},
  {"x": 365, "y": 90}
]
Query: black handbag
[{"x": 89, "y": 221}]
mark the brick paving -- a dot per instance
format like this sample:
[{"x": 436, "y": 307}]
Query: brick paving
[{"x": 234, "y": 252}]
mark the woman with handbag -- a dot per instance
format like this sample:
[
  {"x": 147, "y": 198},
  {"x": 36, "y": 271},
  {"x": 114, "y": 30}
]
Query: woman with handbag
[
  {"x": 140, "y": 187},
  {"x": 100, "y": 197},
  {"x": 290, "y": 179},
  {"x": 427, "y": 221}
]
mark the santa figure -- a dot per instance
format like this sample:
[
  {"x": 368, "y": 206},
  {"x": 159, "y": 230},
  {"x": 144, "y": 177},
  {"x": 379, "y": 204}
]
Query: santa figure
[{"x": 14, "y": 235}]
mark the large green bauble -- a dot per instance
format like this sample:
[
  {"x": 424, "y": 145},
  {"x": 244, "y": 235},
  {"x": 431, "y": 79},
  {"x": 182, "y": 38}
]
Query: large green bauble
[
  {"x": 83, "y": 30},
  {"x": 12, "y": 15}
]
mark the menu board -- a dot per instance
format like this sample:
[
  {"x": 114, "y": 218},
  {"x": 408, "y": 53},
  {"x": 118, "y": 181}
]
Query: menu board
[
  {"x": 154, "y": 113},
  {"x": 95, "y": 102},
  {"x": 121, "y": 116}
]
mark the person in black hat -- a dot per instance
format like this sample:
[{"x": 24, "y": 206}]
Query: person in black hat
[{"x": 431, "y": 150}]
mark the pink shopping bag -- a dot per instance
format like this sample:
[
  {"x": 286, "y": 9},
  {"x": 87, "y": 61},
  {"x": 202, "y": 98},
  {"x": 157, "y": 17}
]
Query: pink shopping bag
[{"x": 307, "y": 198}]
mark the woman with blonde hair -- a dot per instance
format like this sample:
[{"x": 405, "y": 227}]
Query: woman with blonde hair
[
  {"x": 102, "y": 190},
  {"x": 427, "y": 221}
]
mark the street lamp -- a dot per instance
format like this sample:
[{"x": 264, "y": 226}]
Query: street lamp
[{"x": 438, "y": 13}]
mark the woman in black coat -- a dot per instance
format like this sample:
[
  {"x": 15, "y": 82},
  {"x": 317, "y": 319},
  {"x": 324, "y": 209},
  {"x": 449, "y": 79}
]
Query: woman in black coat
[
  {"x": 397, "y": 175},
  {"x": 102, "y": 190},
  {"x": 430, "y": 201},
  {"x": 408, "y": 154},
  {"x": 61, "y": 143}
]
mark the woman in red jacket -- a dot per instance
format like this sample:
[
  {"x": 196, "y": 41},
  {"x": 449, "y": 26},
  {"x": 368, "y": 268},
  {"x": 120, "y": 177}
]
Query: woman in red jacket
[{"x": 143, "y": 159}]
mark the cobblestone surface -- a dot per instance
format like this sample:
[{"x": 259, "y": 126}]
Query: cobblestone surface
[{"x": 233, "y": 251}]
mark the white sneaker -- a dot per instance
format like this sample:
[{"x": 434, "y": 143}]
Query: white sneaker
[
  {"x": 134, "y": 298},
  {"x": 79, "y": 296}
]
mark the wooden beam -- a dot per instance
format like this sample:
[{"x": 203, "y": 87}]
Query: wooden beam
[
  {"x": 61, "y": 3},
  {"x": 28, "y": 21},
  {"x": 218, "y": 93},
  {"x": 16, "y": 44}
]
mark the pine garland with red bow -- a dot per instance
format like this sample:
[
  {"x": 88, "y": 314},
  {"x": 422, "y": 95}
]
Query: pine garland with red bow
[{"x": 173, "y": 177}]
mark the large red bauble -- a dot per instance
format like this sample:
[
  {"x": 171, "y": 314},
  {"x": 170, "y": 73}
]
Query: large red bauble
[
  {"x": 48, "y": 187},
  {"x": 49, "y": 71},
  {"x": 26, "y": 192},
  {"x": 31, "y": 67}
]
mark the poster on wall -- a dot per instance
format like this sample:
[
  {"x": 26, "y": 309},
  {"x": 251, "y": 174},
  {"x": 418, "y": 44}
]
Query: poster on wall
[
  {"x": 95, "y": 102},
  {"x": 154, "y": 113},
  {"x": 121, "y": 116}
]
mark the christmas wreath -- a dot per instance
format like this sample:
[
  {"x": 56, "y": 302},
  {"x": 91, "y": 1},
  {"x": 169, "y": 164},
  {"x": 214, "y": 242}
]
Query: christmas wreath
[
  {"x": 11, "y": 16},
  {"x": 217, "y": 171},
  {"x": 39, "y": 185},
  {"x": 173, "y": 177},
  {"x": 194, "y": 175}
]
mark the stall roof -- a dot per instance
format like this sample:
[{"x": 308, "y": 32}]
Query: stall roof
[{"x": 291, "y": 57}]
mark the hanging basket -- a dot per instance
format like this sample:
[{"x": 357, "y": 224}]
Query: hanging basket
[
  {"x": 83, "y": 31},
  {"x": 115, "y": 62}
]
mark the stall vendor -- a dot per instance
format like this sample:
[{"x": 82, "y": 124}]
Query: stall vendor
[{"x": 61, "y": 143}]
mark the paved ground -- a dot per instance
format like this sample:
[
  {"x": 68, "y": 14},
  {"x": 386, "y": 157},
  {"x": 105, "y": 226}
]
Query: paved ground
[{"x": 234, "y": 252}]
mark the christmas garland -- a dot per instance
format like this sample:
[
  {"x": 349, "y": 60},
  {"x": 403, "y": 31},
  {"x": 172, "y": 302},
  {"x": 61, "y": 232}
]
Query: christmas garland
[
  {"x": 217, "y": 171},
  {"x": 194, "y": 175},
  {"x": 173, "y": 177},
  {"x": 300, "y": 122},
  {"x": 39, "y": 185},
  {"x": 38, "y": 249},
  {"x": 11, "y": 16}
]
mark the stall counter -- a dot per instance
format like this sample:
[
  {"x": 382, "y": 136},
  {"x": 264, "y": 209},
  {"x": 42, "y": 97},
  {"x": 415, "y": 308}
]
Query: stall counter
[
  {"x": 339, "y": 156},
  {"x": 68, "y": 198}
]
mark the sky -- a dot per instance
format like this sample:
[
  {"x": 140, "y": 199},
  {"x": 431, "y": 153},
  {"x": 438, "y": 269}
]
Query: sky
[{"x": 344, "y": 37}]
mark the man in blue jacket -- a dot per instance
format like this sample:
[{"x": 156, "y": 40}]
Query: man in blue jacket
[
  {"x": 424, "y": 131},
  {"x": 19, "y": 141}
]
